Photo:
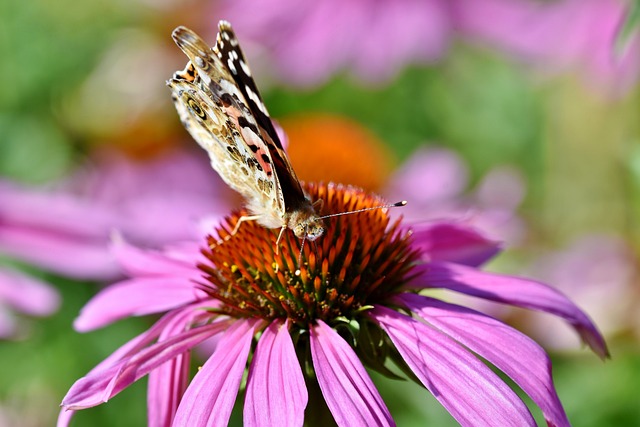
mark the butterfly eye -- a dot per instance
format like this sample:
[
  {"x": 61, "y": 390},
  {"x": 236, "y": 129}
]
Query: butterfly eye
[{"x": 195, "y": 108}]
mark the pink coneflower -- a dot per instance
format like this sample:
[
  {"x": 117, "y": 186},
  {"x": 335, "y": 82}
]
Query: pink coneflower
[{"x": 306, "y": 331}]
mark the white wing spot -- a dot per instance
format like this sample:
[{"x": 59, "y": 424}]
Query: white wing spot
[
  {"x": 245, "y": 68},
  {"x": 231, "y": 66},
  {"x": 199, "y": 62},
  {"x": 255, "y": 98},
  {"x": 230, "y": 87}
]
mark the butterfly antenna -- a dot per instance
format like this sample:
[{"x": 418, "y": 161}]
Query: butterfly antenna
[{"x": 392, "y": 205}]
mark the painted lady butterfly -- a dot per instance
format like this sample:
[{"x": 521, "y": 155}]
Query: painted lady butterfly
[{"x": 219, "y": 104}]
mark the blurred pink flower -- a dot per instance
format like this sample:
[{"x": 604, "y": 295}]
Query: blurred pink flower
[
  {"x": 67, "y": 228},
  {"x": 310, "y": 41},
  {"x": 22, "y": 294},
  {"x": 598, "y": 270},
  {"x": 344, "y": 297},
  {"x": 435, "y": 182},
  {"x": 579, "y": 35}
]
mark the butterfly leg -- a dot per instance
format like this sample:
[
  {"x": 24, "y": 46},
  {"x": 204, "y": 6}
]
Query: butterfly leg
[
  {"x": 237, "y": 226},
  {"x": 284, "y": 227}
]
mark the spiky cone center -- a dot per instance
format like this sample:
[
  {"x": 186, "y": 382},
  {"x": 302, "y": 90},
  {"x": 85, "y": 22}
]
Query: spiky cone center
[{"x": 362, "y": 259}]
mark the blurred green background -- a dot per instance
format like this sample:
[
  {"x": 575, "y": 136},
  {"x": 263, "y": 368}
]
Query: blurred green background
[{"x": 81, "y": 76}]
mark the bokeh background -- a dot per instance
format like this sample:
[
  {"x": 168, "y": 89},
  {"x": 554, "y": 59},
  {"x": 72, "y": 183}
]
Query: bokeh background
[{"x": 520, "y": 117}]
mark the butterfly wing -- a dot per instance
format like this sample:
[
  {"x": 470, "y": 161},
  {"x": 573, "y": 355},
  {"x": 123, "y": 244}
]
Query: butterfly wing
[
  {"x": 216, "y": 113},
  {"x": 228, "y": 50}
]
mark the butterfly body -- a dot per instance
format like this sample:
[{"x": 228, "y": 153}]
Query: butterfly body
[{"x": 219, "y": 104}]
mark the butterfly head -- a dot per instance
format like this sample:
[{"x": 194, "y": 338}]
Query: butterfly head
[{"x": 306, "y": 224}]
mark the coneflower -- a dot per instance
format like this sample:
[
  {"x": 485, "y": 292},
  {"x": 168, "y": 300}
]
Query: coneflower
[{"x": 306, "y": 323}]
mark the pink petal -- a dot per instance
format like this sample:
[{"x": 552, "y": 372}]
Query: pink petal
[
  {"x": 101, "y": 385},
  {"x": 147, "y": 262},
  {"x": 68, "y": 255},
  {"x": 276, "y": 391},
  {"x": 56, "y": 231},
  {"x": 168, "y": 382},
  {"x": 209, "y": 398},
  {"x": 64, "y": 418},
  {"x": 454, "y": 243},
  {"x": 515, "y": 291},
  {"x": 466, "y": 387},
  {"x": 54, "y": 211},
  {"x": 165, "y": 388},
  {"x": 136, "y": 297},
  {"x": 188, "y": 315},
  {"x": 512, "y": 352},
  {"x": 349, "y": 392},
  {"x": 27, "y": 294}
]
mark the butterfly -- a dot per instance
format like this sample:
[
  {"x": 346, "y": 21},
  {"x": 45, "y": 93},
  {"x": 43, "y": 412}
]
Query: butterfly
[{"x": 219, "y": 104}]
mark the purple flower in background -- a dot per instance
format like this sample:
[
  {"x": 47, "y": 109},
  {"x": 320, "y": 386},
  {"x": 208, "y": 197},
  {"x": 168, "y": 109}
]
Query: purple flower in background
[
  {"x": 307, "y": 43},
  {"x": 434, "y": 180},
  {"x": 567, "y": 34},
  {"x": 599, "y": 271},
  {"x": 350, "y": 300},
  {"x": 310, "y": 41},
  {"x": 67, "y": 229},
  {"x": 22, "y": 294}
]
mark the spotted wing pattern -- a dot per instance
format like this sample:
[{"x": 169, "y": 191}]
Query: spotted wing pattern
[
  {"x": 229, "y": 52},
  {"x": 219, "y": 104},
  {"x": 218, "y": 113}
]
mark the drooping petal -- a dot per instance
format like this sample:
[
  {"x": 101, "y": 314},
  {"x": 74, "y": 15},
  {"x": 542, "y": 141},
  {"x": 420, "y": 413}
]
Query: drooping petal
[
  {"x": 100, "y": 386},
  {"x": 186, "y": 315},
  {"x": 168, "y": 382},
  {"x": 165, "y": 388},
  {"x": 276, "y": 391},
  {"x": 136, "y": 297},
  {"x": 511, "y": 290},
  {"x": 466, "y": 387},
  {"x": 347, "y": 388},
  {"x": 454, "y": 243},
  {"x": 509, "y": 350},
  {"x": 209, "y": 398},
  {"x": 64, "y": 418}
]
